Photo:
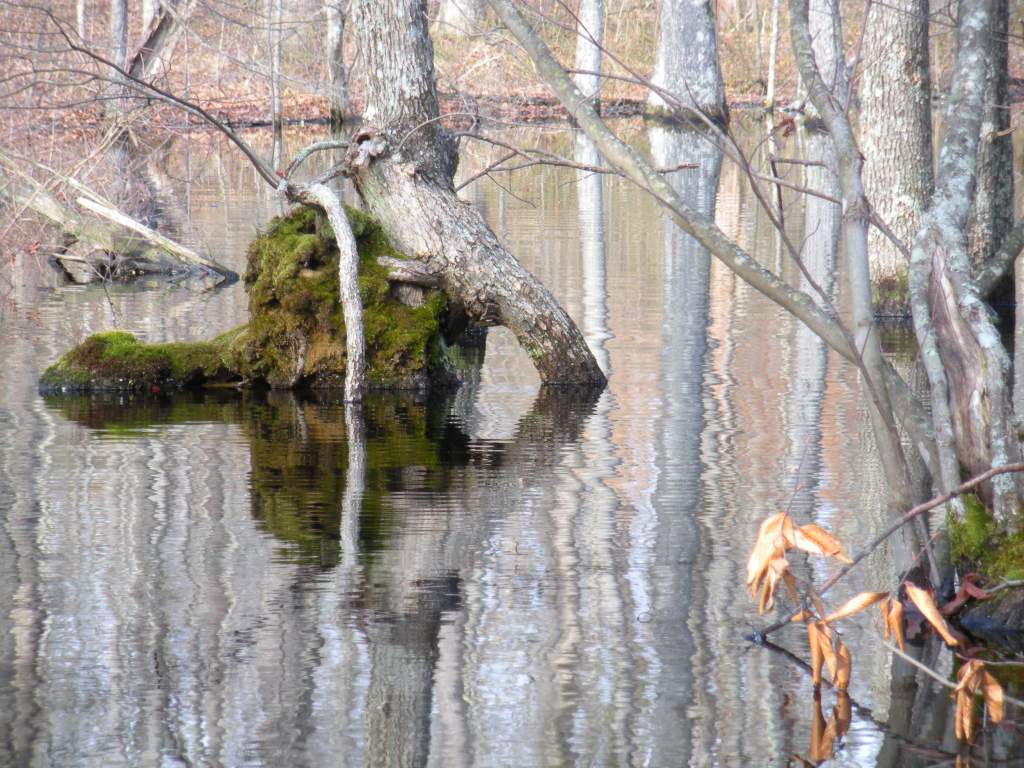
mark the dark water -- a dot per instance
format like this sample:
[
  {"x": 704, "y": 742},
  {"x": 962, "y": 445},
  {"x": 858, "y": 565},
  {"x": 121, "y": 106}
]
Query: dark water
[{"x": 495, "y": 577}]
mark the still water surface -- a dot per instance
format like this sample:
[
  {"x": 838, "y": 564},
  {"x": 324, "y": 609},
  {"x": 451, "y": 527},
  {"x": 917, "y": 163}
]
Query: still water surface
[{"x": 495, "y": 577}]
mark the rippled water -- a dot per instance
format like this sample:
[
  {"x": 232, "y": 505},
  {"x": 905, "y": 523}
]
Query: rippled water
[{"x": 497, "y": 577}]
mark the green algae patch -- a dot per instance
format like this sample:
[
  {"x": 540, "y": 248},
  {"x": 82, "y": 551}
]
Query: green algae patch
[
  {"x": 118, "y": 361},
  {"x": 295, "y": 337}
]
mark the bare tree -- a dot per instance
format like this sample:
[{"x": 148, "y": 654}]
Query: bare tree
[
  {"x": 589, "y": 40},
  {"x": 337, "y": 80},
  {"x": 686, "y": 63},
  {"x": 968, "y": 368},
  {"x": 991, "y": 215},
  {"x": 896, "y": 126},
  {"x": 406, "y": 162}
]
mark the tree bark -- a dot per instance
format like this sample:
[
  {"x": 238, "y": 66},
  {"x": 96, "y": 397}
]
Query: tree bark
[
  {"x": 162, "y": 36},
  {"x": 991, "y": 216},
  {"x": 686, "y": 63},
  {"x": 118, "y": 51},
  {"x": 337, "y": 96},
  {"x": 403, "y": 164},
  {"x": 896, "y": 127},
  {"x": 968, "y": 368},
  {"x": 589, "y": 39}
]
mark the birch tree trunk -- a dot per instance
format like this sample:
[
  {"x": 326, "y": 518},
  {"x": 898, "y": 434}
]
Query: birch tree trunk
[
  {"x": 403, "y": 162},
  {"x": 896, "y": 127},
  {"x": 337, "y": 96},
  {"x": 991, "y": 216},
  {"x": 589, "y": 39},
  {"x": 686, "y": 62}
]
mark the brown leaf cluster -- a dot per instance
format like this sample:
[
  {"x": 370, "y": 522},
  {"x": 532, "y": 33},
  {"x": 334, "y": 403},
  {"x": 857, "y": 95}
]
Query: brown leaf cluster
[
  {"x": 768, "y": 567},
  {"x": 971, "y": 678}
]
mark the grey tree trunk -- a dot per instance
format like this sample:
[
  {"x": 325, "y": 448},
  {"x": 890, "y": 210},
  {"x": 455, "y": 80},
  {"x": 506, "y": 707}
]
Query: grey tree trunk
[
  {"x": 896, "y": 127},
  {"x": 829, "y": 102},
  {"x": 337, "y": 96},
  {"x": 80, "y": 18},
  {"x": 967, "y": 366},
  {"x": 991, "y": 216},
  {"x": 274, "y": 38},
  {"x": 162, "y": 35},
  {"x": 825, "y": 23},
  {"x": 686, "y": 62},
  {"x": 403, "y": 166},
  {"x": 589, "y": 39},
  {"x": 461, "y": 17},
  {"x": 118, "y": 51},
  {"x": 149, "y": 8}
]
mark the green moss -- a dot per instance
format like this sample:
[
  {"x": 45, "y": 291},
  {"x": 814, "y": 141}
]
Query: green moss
[
  {"x": 117, "y": 360},
  {"x": 1005, "y": 560},
  {"x": 296, "y": 332},
  {"x": 975, "y": 543},
  {"x": 969, "y": 538},
  {"x": 297, "y": 327}
]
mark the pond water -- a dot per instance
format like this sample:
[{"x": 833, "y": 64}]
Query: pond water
[{"x": 496, "y": 577}]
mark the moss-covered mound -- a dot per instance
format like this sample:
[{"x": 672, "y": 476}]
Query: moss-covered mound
[
  {"x": 118, "y": 361},
  {"x": 296, "y": 333}
]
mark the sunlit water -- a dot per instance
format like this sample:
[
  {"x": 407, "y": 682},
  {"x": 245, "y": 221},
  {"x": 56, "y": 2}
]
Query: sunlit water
[{"x": 498, "y": 577}]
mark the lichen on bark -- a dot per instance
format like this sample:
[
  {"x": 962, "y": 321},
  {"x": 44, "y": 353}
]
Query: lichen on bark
[{"x": 295, "y": 337}]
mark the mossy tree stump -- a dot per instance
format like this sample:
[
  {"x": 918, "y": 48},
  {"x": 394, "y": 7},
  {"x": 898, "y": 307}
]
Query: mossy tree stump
[{"x": 295, "y": 337}]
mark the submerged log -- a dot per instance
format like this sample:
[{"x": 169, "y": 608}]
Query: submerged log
[
  {"x": 99, "y": 242},
  {"x": 295, "y": 337}
]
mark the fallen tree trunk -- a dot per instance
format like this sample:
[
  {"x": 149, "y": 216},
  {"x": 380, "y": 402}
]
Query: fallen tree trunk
[{"x": 115, "y": 247}]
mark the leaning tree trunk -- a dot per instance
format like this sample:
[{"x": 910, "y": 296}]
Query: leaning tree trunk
[
  {"x": 686, "y": 64},
  {"x": 589, "y": 39},
  {"x": 403, "y": 162},
  {"x": 337, "y": 96},
  {"x": 896, "y": 127},
  {"x": 991, "y": 216},
  {"x": 829, "y": 100},
  {"x": 966, "y": 363}
]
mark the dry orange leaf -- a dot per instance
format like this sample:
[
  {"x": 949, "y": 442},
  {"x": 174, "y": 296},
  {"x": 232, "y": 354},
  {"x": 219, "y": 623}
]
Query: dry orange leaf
[
  {"x": 927, "y": 606},
  {"x": 855, "y": 604},
  {"x": 801, "y": 616},
  {"x": 766, "y": 547},
  {"x": 844, "y": 666},
  {"x": 816, "y": 655},
  {"x": 993, "y": 693},
  {"x": 816, "y": 540},
  {"x": 894, "y": 623}
]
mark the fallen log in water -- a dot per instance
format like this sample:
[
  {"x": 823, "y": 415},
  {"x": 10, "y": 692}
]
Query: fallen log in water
[{"x": 100, "y": 242}]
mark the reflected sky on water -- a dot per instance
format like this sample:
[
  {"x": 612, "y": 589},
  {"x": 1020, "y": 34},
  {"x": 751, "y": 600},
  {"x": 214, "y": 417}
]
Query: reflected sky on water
[{"x": 493, "y": 577}]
